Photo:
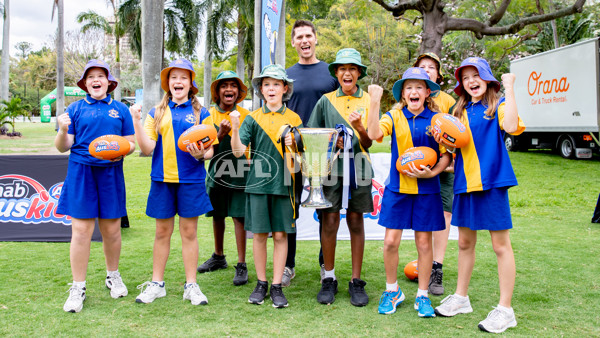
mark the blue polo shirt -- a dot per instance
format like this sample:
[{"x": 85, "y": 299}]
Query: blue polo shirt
[
  {"x": 91, "y": 118},
  {"x": 409, "y": 130},
  {"x": 169, "y": 163}
]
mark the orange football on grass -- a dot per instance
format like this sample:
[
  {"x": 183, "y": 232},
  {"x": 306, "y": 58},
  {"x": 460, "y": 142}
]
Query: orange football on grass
[
  {"x": 453, "y": 132},
  {"x": 109, "y": 147},
  {"x": 411, "y": 270},
  {"x": 200, "y": 134},
  {"x": 417, "y": 155}
]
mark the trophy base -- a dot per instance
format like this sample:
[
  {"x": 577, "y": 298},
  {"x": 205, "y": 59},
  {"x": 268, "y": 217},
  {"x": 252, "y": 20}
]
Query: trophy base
[{"x": 316, "y": 199}]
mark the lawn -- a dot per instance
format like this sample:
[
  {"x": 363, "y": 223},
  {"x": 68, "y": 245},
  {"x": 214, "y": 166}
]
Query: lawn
[{"x": 556, "y": 248}]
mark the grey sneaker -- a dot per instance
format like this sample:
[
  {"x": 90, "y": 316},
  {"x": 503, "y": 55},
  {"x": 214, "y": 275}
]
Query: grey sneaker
[
  {"x": 435, "y": 282},
  {"x": 452, "y": 305},
  {"x": 115, "y": 283},
  {"x": 75, "y": 301},
  {"x": 213, "y": 263},
  {"x": 241, "y": 274},
  {"x": 498, "y": 321},
  {"x": 277, "y": 296},
  {"x": 260, "y": 292},
  {"x": 288, "y": 275}
]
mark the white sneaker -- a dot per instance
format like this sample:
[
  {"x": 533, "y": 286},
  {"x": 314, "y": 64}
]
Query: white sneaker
[
  {"x": 192, "y": 293},
  {"x": 75, "y": 301},
  {"x": 453, "y": 305},
  {"x": 116, "y": 285},
  {"x": 498, "y": 321},
  {"x": 152, "y": 291},
  {"x": 288, "y": 275}
]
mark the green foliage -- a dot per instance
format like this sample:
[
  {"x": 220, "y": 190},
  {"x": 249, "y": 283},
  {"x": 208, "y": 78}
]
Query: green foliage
[
  {"x": 308, "y": 9},
  {"x": 12, "y": 110}
]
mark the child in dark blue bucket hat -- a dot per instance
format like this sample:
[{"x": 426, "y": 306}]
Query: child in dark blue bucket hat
[
  {"x": 93, "y": 188},
  {"x": 483, "y": 174},
  {"x": 412, "y": 199}
]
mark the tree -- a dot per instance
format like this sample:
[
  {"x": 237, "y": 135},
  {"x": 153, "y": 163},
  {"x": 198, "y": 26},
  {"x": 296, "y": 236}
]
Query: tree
[
  {"x": 93, "y": 21},
  {"x": 5, "y": 52},
  {"x": 60, "y": 58},
  {"x": 440, "y": 17},
  {"x": 24, "y": 47},
  {"x": 13, "y": 109},
  {"x": 152, "y": 41}
]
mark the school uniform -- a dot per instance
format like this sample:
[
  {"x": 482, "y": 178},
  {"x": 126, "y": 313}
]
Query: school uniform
[
  {"x": 178, "y": 179},
  {"x": 270, "y": 202},
  {"x": 410, "y": 203},
  {"x": 93, "y": 187},
  {"x": 226, "y": 179},
  {"x": 334, "y": 109},
  {"x": 483, "y": 172},
  {"x": 445, "y": 102}
]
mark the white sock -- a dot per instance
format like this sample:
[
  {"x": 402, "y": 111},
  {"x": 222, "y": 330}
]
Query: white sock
[
  {"x": 391, "y": 287},
  {"x": 110, "y": 273},
  {"x": 160, "y": 283},
  {"x": 80, "y": 285},
  {"x": 505, "y": 309},
  {"x": 461, "y": 297},
  {"x": 330, "y": 273},
  {"x": 422, "y": 293}
]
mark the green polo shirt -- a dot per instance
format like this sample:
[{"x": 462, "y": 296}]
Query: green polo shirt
[
  {"x": 261, "y": 130},
  {"x": 334, "y": 108}
]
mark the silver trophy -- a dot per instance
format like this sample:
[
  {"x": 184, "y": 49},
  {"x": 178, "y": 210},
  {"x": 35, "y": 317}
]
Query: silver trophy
[{"x": 317, "y": 161}]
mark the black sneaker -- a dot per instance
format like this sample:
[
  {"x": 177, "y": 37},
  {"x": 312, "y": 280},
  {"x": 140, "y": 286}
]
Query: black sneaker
[
  {"x": 241, "y": 274},
  {"x": 358, "y": 296},
  {"x": 328, "y": 290},
  {"x": 279, "y": 300},
  {"x": 435, "y": 282},
  {"x": 213, "y": 263},
  {"x": 260, "y": 292}
]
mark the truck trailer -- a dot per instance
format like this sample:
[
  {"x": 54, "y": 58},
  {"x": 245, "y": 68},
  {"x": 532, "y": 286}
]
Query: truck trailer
[{"x": 557, "y": 94}]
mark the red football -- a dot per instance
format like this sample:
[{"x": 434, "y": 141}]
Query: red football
[
  {"x": 453, "y": 132},
  {"x": 417, "y": 155},
  {"x": 411, "y": 270},
  {"x": 200, "y": 134},
  {"x": 109, "y": 147}
]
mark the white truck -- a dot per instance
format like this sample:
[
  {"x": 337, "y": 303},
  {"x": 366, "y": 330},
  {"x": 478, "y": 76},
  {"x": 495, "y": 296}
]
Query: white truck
[{"x": 558, "y": 98}]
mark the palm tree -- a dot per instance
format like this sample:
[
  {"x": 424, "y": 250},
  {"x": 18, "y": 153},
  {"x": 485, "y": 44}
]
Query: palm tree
[
  {"x": 5, "y": 52},
  {"x": 93, "y": 21},
  {"x": 13, "y": 109},
  {"x": 60, "y": 57},
  {"x": 152, "y": 12}
]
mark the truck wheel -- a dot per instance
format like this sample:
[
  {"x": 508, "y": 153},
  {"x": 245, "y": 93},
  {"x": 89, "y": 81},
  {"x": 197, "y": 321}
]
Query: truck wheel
[
  {"x": 566, "y": 146},
  {"x": 510, "y": 143}
]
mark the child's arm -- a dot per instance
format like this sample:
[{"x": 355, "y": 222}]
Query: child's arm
[
  {"x": 237, "y": 147},
  {"x": 63, "y": 140},
  {"x": 511, "y": 115},
  {"x": 355, "y": 120},
  {"x": 425, "y": 172},
  {"x": 147, "y": 144},
  {"x": 373, "y": 129},
  {"x": 131, "y": 139}
]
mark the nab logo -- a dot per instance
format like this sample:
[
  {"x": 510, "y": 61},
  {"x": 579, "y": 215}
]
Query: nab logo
[{"x": 25, "y": 200}]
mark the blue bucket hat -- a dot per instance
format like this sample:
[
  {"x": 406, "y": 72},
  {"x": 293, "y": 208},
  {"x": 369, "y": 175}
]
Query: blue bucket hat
[
  {"x": 181, "y": 64},
  {"x": 414, "y": 73},
  {"x": 94, "y": 63},
  {"x": 228, "y": 75},
  {"x": 484, "y": 70},
  {"x": 348, "y": 56},
  {"x": 276, "y": 72}
]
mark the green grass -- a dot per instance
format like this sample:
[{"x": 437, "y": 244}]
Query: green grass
[
  {"x": 37, "y": 138},
  {"x": 557, "y": 289}
]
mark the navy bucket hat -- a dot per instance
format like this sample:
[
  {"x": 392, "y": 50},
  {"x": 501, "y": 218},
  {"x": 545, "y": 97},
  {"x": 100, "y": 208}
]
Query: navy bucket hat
[
  {"x": 94, "y": 63},
  {"x": 414, "y": 73},
  {"x": 484, "y": 70},
  {"x": 181, "y": 64}
]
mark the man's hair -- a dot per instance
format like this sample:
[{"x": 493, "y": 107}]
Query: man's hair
[{"x": 303, "y": 23}]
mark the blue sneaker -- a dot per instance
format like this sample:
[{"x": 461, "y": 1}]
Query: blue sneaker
[
  {"x": 423, "y": 305},
  {"x": 389, "y": 301}
]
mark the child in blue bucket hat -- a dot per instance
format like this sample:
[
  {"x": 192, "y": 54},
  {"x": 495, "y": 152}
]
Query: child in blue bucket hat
[
  {"x": 412, "y": 199},
  {"x": 177, "y": 177},
  {"x": 93, "y": 188},
  {"x": 483, "y": 175},
  {"x": 349, "y": 186}
]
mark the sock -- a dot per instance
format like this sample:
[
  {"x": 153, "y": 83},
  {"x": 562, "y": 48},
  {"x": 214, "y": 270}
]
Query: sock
[
  {"x": 461, "y": 297},
  {"x": 110, "y": 273},
  {"x": 505, "y": 309},
  {"x": 391, "y": 287},
  {"x": 422, "y": 293},
  {"x": 161, "y": 283},
  {"x": 437, "y": 265},
  {"x": 80, "y": 285},
  {"x": 330, "y": 274},
  {"x": 187, "y": 284}
]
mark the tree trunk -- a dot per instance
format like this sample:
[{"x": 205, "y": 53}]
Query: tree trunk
[
  {"x": 60, "y": 60},
  {"x": 239, "y": 66},
  {"x": 117, "y": 68},
  {"x": 257, "y": 30},
  {"x": 152, "y": 41},
  {"x": 434, "y": 28},
  {"x": 5, "y": 53},
  {"x": 207, "y": 61},
  {"x": 280, "y": 49}
]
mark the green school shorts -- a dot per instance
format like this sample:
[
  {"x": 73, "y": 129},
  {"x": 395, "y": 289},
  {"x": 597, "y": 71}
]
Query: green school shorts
[
  {"x": 447, "y": 190},
  {"x": 361, "y": 199},
  {"x": 227, "y": 202},
  {"x": 269, "y": 213}
]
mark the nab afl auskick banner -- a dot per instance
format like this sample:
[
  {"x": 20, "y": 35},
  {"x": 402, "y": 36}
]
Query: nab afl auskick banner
[
  {"x": 270, "y": 15},
  {"x": 30, "y": 187}
]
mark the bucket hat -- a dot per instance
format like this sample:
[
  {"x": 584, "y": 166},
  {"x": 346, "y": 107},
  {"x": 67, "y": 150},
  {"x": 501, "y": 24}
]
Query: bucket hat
[
  {"x": 485, "y": 73},
  {"x": 348, "y": 56},
  {"x": 181, "y": 64},
  {"x": 277, "y": 72},
  {"x": 94, "y": 63},
  {"x": 435, "y": 58},
  {"x": 228, "y": 75},
  {"x": 414, "y": 73}
]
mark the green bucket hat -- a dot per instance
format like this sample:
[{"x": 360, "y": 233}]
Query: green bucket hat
[
  {"x": 276, "y": 72},
  {"x": 228, "y": 75},
  {"x": 346, "y": 56},
  {"x": 435, "y": 58}
]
